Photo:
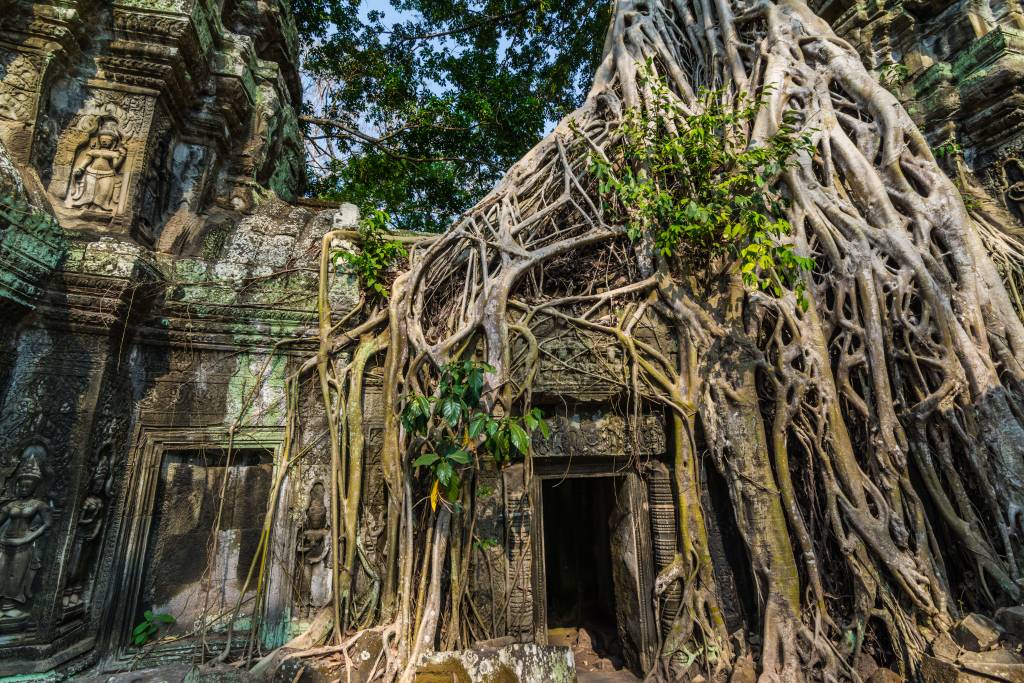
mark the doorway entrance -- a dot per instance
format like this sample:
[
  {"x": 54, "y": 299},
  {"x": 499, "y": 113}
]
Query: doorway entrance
[
  {"x": 579, "y": 591},
  {"x": 594, "y": 582}
]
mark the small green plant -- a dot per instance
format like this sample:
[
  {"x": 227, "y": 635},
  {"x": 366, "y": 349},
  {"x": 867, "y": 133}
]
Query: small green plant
[
  {"x": 453, "y": 428},
  {"x": 150, "y": 625},
  {"x": 950, "y": 148},
  {"x": 485, "y": 543},
  {"x": 893, "y": 75},
  {"x": 376, "y": 253},
  {"x": 693, "y": 183}
]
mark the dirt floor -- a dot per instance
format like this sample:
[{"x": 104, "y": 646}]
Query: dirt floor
[{"x": 598, "y": 659}]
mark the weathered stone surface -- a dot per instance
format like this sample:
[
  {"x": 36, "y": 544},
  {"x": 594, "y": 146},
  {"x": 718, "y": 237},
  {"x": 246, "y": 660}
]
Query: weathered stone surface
[
  {"x": 744, "y": 671},
  {"x": 999, "y": 664},
  {"x": 524, "y": 663},
  {"x": 973, "y": 667},
  {"x": 945, "y": 647},
  {"x": 162, "y": 136},
  {"x": 958, "y": 71},
  {"x": 976, "y": 632},
  {"x": 935, "y": 670},
  {"x": 885, "y": 676},
  {"x": 1012, "y": 620},
  {"x": 182, "y": 673},
  {"x": 363, "y": 656},
  {"x": 865, "y": 665}
]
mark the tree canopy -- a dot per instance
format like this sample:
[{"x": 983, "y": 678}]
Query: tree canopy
[{"x": 417, "y": 107}]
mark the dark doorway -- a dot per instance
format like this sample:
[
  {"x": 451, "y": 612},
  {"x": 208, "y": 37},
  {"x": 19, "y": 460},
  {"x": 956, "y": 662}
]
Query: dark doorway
[
  {"x": 579, "y": 585},
  {"x": 206, "y": 523}
]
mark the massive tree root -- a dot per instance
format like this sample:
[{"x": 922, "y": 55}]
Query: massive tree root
[{"x": 871, "y": 444}]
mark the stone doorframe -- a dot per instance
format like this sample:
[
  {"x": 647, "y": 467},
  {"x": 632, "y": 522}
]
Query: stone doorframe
[
  {"x": 530, "y": 551},
  {"x": 134, "y": 517}
]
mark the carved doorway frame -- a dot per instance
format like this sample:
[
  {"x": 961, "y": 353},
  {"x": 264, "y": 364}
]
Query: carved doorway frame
[
  {"x": 134, "y": 516},
  {"x": 584, "y": 468}
]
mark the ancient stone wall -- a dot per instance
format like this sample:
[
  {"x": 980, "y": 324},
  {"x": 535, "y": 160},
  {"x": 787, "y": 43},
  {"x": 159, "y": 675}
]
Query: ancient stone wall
[{"x": 154, "y": 292}]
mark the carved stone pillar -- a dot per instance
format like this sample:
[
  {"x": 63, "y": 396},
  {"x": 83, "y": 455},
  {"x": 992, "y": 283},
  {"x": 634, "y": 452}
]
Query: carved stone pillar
[{"x": 64, "y": 412}]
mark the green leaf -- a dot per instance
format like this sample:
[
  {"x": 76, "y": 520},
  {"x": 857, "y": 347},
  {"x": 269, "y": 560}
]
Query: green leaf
[
  {"x": 451, "y": 410},
  {"x": 477, "y": 425},
  {"x": 426, "y": 460},
  {"x": 519, "y": 438},
  {"x": 460, "y": 456},
  {"x": 444, "y": 471},
  {"x": 166, "y": 618}
]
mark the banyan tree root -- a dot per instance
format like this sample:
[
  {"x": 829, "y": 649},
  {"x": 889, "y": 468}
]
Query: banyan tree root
[{"x": 871, "y": 444}]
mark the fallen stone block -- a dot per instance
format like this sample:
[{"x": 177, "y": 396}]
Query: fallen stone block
[
  {"x": 519, "y": 663},
  {"x": 977, "y": 633},
  {"x": 1012, "y": 620}
]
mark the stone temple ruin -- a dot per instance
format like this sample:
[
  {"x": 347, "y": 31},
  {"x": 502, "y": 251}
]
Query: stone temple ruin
[{"x": 158, "y": 292}]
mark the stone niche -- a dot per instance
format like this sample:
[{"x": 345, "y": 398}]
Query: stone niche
[{"x": 190, "y": 532}]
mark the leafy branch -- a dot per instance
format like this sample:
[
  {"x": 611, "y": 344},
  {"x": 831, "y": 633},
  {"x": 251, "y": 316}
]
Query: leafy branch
[
  {"x": 376, "y": 253},
  {"x": 453, "y": 428},
  {"x": 150, "y": 625},
  {"x": 691, "y": 181}
]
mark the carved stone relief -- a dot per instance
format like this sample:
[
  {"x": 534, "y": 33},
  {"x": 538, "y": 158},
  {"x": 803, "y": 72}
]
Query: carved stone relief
[
  {"x": 21, "y": 78},
  {"x": 312, "y": 575},
  {"x": 96, "y": 173},
  {"x": 25, "y": 518},
  {"x": 20, "y": 75},
  {"x": 92, "y": 514},
  {"x": 1013, "y": 184},
  {"x": 596, "y": 432},
  {"x": 99, "y": 158}
]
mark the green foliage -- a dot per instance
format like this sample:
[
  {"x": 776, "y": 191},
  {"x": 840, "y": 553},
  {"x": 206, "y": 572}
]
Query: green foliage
[
  {"x": 150, "y": 625},
  {"x": 485, "y": 543},
  {"x": 701, "y": 192},
  {"x": 893, "y": 75},
  {"x": 448, "y": 94},
  {"x": 376, "y": 253},
  {"x": 453, "y": 428},
  {"x": 950, "y": 148}
]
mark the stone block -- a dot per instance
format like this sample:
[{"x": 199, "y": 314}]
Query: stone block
[
  {"x": 520, "y": 663},
  {"x": 1012, "y": 620},
  {"x": 977, "y": 633},
  {"x": 1000, "y": 665}
]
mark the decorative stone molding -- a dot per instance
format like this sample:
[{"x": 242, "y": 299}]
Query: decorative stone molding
[{"x": 174, "y": 91}]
